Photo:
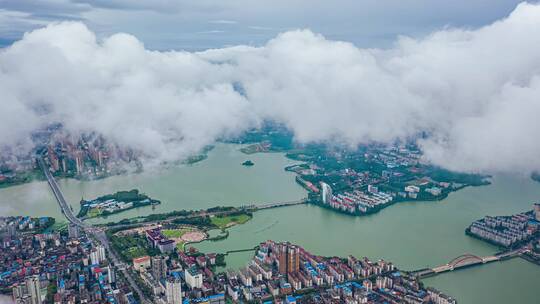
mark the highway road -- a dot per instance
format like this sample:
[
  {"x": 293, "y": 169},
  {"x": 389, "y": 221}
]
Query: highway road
[{"x": 97, "y": 233}]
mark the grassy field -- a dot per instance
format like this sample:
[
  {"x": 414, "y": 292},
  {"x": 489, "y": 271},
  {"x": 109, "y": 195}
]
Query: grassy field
[
  {"x": 94, "y": 212},
  {"x": 175, "y": 233},
  {"x": 180, "y": 245},
  {"x": 228, "y": 221}
]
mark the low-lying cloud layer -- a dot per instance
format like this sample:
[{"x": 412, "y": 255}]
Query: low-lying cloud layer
[{"x": 475, "y": 93}]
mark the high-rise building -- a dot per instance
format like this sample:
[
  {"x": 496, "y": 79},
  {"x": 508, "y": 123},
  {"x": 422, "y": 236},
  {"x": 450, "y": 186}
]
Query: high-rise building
[
  {"x": 79, "y": 165},
  {"x": 173, "y": 290},
  {"x": 282, "y": 257},
  {"x": 97, "y": 255},
  {"x": 537, "y": 211},
  {"x": 73, "y": 231},
  {"x": 194, "y": 278},
  {"x": 111, "y": 275},
  {"x": 12, "y": 229},
  {"x": 101, "y": 253},
  {"x": 94, "y": 257},
  {"x": 326, "y": 193},
  {"x": 159, "y": 267},
  {"x": 34, "y": 289},
  {"x": 19, "y": 292},
  {"x": 293, "y": 259},
  {"x": 289, "y": 258}
]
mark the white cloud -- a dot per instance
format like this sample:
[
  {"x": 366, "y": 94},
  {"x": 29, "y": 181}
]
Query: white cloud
[
  {"x": 167, "y": 104},
  {"x": 475, "y": 92},
  {"x": 223, "y": 21}
]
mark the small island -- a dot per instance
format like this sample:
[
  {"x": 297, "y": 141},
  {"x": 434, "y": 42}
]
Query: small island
[
  {"x": 115, "y": 203},
  {"x": 248, "y": 163}
]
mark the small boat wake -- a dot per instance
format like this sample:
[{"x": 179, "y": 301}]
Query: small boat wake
[{"x": 267, "y": 227}]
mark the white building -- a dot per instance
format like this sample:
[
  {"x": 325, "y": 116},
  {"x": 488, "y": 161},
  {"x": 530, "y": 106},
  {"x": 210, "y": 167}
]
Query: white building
[
  {"x": 34, "y": 289},
  {"x": 94, "y": 257},
  {"x": 97, "y": 255},
  {"x": 326, "y": 193},
  {"x": 412, "y": 189},
  {"x": 537, "y": 211},
  {"x": 101, "y": 253},
  {"x": 194, "y": 278},
  {"x": 111, "y": 275},
  {"x": 173, "y": 291}
]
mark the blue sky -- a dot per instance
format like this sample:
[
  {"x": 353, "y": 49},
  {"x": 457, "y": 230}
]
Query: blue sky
[{"x": 202, "y": 24}]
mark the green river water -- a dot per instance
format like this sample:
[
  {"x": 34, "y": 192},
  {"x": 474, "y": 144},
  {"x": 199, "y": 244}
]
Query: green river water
[{"x": 412, "y": 235}]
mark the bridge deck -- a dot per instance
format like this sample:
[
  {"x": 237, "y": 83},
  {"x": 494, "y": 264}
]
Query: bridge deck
[{"x": 466, "y": 260}]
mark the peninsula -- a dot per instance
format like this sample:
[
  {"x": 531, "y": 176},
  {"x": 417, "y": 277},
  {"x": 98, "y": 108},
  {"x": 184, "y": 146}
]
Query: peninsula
[{"x": 115, "y": 203}]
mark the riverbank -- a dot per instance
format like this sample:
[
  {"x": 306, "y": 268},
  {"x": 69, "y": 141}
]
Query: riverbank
[
  {"x": 218, "y": 180},
  {"x": 413, "y": 235},
  {"x": 14, "y": 179}
]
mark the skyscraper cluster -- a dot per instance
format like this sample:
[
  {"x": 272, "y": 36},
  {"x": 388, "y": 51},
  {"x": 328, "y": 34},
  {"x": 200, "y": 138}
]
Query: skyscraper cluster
[{"x": 289, "y": 258}]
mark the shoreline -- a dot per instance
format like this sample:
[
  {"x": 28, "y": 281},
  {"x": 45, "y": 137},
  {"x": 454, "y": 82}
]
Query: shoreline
[{"x": 84, "y": 178}]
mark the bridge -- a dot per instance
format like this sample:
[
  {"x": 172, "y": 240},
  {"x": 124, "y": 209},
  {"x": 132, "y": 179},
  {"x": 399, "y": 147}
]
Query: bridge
[
  {"x": 98, "y": 234},
  {"x": 64, "y": 207},
  {"x": 466, "y": 260},
  {"x": 277, "y": 204},
  {"x": 202, "y": 213}
]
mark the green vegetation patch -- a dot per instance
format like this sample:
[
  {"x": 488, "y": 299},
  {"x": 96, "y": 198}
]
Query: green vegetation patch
[
  {"x": 60, "y": 226},
  {"x": 135, "y": 252},
  {"x": 94, "y": 208},
  {"x": 131, "y": 246},
  {"x": 180, "y": 246},
  {"x": 230, "y": 220},
  {"x": 93, "y": 212},
  {"x": 175, "y": 233}
]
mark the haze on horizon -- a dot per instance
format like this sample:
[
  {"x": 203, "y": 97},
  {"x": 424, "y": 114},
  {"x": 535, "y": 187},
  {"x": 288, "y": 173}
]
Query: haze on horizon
[{"x": 472, "y": 87}]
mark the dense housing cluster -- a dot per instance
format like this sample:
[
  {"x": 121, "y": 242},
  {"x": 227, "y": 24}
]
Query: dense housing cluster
[
  {"x": 507, "y": 230},
  {"x": 365, "y": 181},
  {"x": 282, "y": 273},
  {"x": 56, "y": 268},
  {"x": 185, "y": 279},
  {"x": 355, "y": 201}
]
